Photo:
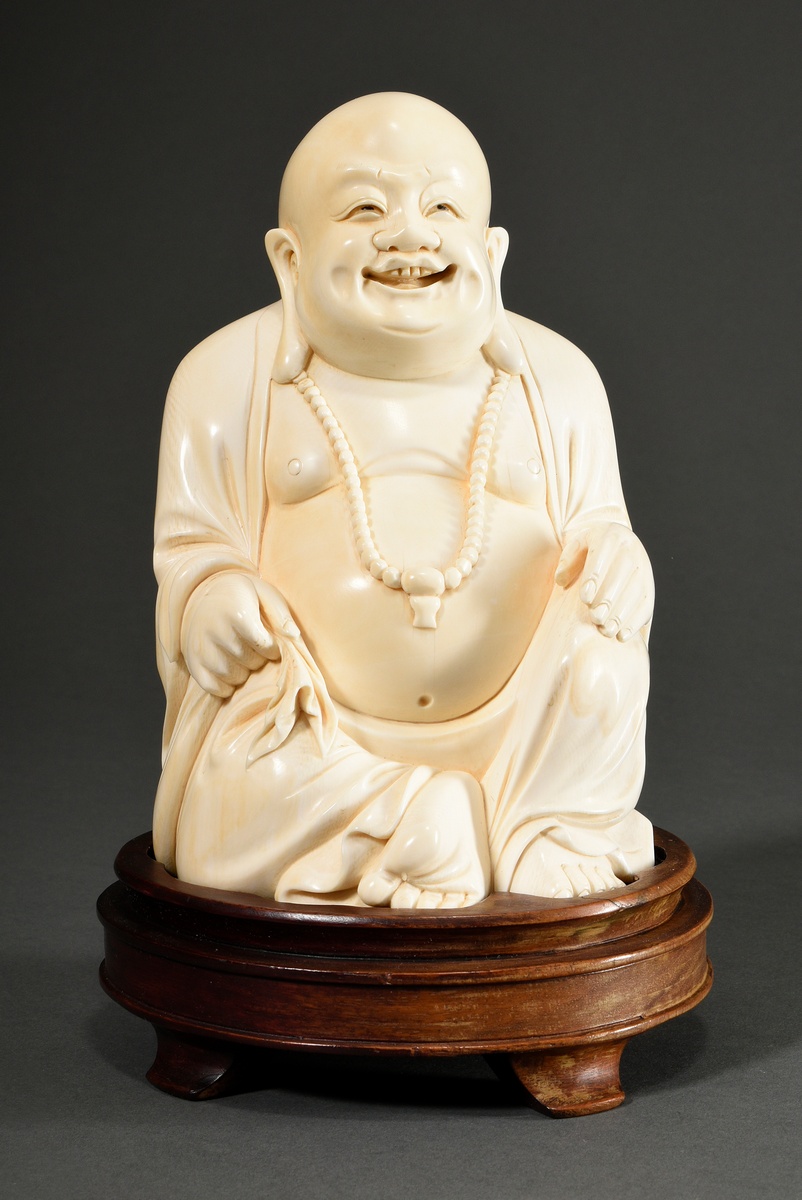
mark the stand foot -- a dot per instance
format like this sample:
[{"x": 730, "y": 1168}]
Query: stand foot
[
  {"x": 572, "y": 1081},
  {"x": 193, "y": 1068},
  {"x": 550, "y": 990}
]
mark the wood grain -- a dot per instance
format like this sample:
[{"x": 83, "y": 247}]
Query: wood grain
[{"x": 556, "y": 987}]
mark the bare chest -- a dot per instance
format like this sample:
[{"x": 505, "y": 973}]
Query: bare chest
[{"x": 422, "y": 434}]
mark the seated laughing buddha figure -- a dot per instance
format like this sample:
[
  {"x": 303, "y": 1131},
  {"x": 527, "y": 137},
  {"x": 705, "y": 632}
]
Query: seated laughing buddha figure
[{"x": 402, "y": 617}]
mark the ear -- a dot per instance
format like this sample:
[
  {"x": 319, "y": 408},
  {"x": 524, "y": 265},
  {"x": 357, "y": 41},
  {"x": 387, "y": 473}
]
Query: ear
[
  {"x": 292, "y": 353},
  {"x": 502, "y": 347}
]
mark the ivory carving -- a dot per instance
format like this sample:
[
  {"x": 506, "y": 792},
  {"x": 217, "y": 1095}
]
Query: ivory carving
[{"x": 402, "y": 616}]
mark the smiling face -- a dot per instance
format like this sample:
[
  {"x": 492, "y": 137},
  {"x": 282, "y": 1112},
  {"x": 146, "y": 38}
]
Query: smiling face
[{"x": 387, "y": 200}]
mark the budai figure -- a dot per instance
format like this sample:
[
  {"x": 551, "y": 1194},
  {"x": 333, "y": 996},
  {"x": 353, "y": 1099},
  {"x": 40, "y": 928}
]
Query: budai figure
[{"x": 402, "y": 616}]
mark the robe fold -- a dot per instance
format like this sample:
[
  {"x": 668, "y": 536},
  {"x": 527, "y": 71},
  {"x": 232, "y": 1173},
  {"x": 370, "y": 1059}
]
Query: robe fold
[{"x": 279, "y": 790}]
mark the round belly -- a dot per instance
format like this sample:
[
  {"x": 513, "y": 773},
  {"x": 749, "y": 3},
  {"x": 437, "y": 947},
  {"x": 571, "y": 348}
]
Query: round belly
[{"x": 360, "y": 632}]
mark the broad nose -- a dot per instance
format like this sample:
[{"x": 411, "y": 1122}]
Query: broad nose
[{"x": 407, "y": 232}]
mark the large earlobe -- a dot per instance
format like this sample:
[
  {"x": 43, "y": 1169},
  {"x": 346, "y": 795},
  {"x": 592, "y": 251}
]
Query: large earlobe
[
  {"x": 292, "y": 353},
  {"x": 503, "y": 347}
]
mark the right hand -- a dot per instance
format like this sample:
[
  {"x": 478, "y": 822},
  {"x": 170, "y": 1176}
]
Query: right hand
[{"x": 226, "y": 631}]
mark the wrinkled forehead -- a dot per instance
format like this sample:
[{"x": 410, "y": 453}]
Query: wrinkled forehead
[
  {"x": 411, "y": 148},
  {"x": 441, "y": 174}
]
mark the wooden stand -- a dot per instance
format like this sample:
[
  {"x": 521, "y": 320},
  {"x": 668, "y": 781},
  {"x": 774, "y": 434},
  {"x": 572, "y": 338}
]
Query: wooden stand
[{"x": 550, "y": 990}]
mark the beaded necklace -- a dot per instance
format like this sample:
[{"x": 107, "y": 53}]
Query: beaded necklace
[{"x": 423, "y": 585}]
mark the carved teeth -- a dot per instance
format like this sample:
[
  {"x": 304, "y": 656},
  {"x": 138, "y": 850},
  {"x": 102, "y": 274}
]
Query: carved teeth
[
  {"x": 407, "y": 277},
  {"x": 408, "y": 273}
]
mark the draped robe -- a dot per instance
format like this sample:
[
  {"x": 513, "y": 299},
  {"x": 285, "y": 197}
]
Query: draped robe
[{"x": 279, "y": 790}]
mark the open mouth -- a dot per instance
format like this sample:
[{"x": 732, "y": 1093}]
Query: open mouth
[{"x": 409, "y": 278}]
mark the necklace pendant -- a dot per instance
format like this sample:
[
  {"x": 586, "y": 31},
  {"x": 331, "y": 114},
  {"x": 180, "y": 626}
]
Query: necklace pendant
[
  {"x": 424, "y": 586},
  {"x": 425, "y": 611}
]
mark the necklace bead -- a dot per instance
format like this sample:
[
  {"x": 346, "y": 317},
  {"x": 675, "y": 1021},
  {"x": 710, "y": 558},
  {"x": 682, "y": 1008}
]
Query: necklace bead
[{"x": 423, "y": 585}]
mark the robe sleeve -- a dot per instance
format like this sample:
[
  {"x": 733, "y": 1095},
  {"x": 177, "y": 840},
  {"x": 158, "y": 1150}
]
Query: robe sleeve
[
  {"x": 204, "y": 518},
  {"x": 585, "y": 481}
]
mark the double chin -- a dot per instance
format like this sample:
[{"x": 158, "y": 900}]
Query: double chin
[
  {"x": 404, "y": 333},
  {"x": 398, "y": 352}
]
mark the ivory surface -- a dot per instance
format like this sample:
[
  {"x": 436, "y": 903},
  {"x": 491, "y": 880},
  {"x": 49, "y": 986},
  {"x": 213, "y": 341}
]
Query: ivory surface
[{"x": 402, "y": 617}]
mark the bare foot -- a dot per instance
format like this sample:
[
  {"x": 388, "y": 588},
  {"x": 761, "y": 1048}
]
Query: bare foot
[
  {"x": 438, "y": 856},
  {"x": 547, "y": 868}
]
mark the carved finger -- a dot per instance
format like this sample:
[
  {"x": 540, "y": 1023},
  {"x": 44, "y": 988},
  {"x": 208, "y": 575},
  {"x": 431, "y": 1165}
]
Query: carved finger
[
  {"x": 249, "y": 631},
  {"x": 250, "y": 657},
  {"x": 275, "y": 609},
  {"x": 612, "y": 591},
  {"x": 233, "y": 673},
  {"x": 607, "y": 623},
  {"x": 571, "y": 562},
  {"x": 598, "y": 561},
  {"x": 635, "y": 614},
  {"x": 211, "y": 684},
  {"x": 254, "y": 659},
  {"x": 638, "y": 606}
]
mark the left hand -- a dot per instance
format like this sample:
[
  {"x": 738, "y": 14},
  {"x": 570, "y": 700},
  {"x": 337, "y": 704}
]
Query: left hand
[{"x": 615, "y": 578}]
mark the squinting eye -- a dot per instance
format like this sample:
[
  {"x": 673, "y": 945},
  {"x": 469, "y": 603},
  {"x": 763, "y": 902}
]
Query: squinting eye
[
  {"x": 442, "y": 207},
  {"x": 365, "y": 209}
]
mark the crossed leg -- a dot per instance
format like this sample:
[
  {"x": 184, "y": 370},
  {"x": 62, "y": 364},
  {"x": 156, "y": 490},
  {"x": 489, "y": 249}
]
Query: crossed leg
[
  {"x": 569, "y": 771},
  {"x": 438, "y": 857}
]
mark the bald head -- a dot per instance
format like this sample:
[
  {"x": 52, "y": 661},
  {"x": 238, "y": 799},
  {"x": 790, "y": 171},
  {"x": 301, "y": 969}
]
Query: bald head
[
  {"x": 384, "y": 257},
  {"x": 390, "y": 130}
]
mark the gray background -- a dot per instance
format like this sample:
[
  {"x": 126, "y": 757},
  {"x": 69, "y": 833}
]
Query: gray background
[{"x": 646, "y": 161}]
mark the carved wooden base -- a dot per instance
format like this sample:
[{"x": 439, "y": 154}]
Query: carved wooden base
[
  {"x": 571, "y": 1081},
  {"x": 549, "y": 990},
  {"x": 193, "y": 1068}
]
